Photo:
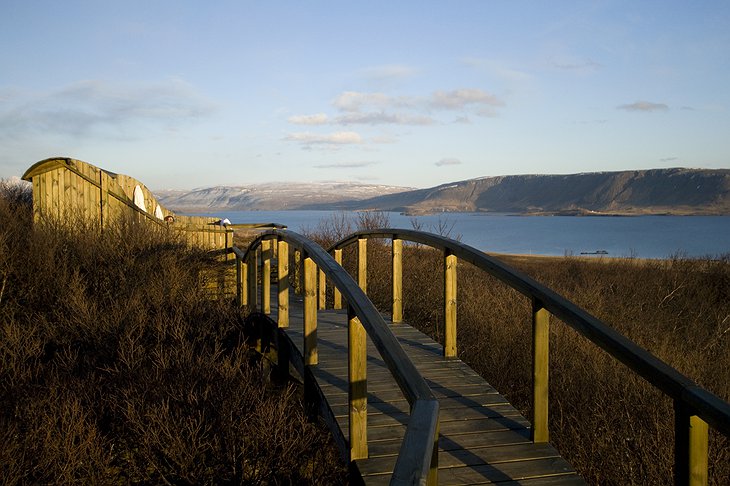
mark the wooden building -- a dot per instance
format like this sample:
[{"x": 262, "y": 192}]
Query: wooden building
[{"x": 64, "y": 189}]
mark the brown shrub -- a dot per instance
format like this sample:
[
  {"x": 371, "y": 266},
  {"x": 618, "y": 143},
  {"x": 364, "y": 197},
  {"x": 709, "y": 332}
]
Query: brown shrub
[{"x": 114, "y": 368}]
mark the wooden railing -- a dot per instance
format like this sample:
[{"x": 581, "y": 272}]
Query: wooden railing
[
  {"x": 694, "y": 406},
  {"x": 417, "y": 461}
]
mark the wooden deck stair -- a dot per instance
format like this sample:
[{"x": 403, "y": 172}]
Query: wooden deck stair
[{"x": 483, "y": 439}]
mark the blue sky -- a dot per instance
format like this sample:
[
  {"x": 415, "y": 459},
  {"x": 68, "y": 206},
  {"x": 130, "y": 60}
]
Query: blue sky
[{"x": 191, "y": 94}]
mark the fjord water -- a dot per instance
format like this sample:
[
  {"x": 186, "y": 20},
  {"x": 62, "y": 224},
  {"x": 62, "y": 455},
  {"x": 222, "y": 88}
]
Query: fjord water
[{"x": 637, "y": 236}]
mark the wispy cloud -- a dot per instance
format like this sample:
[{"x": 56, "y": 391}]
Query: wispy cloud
[
  {"x": 448, "y": 161},
  {"x": 571, "y": 64},
  {"x": 307, "y": 139},
  {"x": 668, "y": 159},
  {"x": 461, "y": 99},
  {"x": 354, "y": 101},
  {"x": 316, "y": 119},
  {"x": 101, "y": 108},
  {"x": 384, "y": 139},
  {"x": 645, "y": 106},
  {"x": 380, "y": 118},
  {"x": 345, "y": 165},
  {"x": 497, "y": 68}
]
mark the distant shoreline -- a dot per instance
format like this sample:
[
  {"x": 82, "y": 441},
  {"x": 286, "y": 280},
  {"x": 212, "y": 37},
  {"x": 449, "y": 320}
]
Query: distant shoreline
[{"x": 575, "y": 213}]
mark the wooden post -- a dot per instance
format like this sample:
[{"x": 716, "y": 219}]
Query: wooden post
[
  {"x": 283, "y": 355},
  {"x": 252, "y": 284},
  {"x": 266, "y": 276},
  {"x": 362, "y": 264},
  {"x": 433, "y": 470},
  {"x": 449, "y": 305},
  {"x": 322, "y": 296},
  {"x": 690, "y": 447},
  {"x": 397, "y": 250},
  {"x": 239, "y": 282},
  {"x": 283, "y": 272},
  {"x": 357, "y": 386},
  {"x": 540, "y": 371},
  {"x": 244, "y": 283},
  {"x": 336, "y": 295},
  {"x": 698, "y": 449},
  {"x": 297, "y": 272},
  {"x": 310, "y": 312}
]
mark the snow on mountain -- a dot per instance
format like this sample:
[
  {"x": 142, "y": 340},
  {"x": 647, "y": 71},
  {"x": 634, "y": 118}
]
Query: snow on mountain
[{"x": 272, "y": 196}]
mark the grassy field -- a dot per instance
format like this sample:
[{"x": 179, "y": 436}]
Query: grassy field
[
  {"x": 610, "y": 424},
  {"x": 116, "y": 368}
]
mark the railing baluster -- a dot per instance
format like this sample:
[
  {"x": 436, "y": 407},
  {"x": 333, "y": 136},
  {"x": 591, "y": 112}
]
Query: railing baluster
[
  {"x": 322, "y": 295},
  {"x": 310, "y": 312},
  {"x": 698, "y": 451},
  {"x": 252, "y": 284},
  {"x": 357, "y": 386},
  {"x": 266, "y": 276},
  {"x": 690, "y": 447},
  {"x": 239, "y": 282},
  {"x": 336, "y": 295},
  {"x": 540, "y": 371},
  {"x": 362, "y": 264},
  {"x": 283, "y": 276},
  {"x": 449, "y": 305},
  {"x": 397, "y": 250},
  {"x": 297, "y": 272},
  {"x": 244, "y": 283}
]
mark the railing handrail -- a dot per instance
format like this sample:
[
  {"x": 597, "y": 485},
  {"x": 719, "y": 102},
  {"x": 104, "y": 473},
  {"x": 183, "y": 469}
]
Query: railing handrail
[
  {"x": 417, "y": 448},
  {"x": 703, "y": 403}
]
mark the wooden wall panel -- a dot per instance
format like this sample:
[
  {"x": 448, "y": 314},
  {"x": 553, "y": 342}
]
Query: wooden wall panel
[{"x": 67, "y": 188}]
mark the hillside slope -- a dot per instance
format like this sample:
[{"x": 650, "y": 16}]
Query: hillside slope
[{"x": 656, "y": 191}]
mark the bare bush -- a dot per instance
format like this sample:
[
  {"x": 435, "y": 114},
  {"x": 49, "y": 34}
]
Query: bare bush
[{"x": 114, "y": 367}]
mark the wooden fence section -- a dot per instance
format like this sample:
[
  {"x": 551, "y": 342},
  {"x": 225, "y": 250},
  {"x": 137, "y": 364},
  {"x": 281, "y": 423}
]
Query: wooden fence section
[
  {"x": 417, "y": 460},
  {"x": 69, "y": 189},
  {"x": 401, "y": 411},
  {"x": 695, "y": 407},
  {"x": 482, "y": 438}
]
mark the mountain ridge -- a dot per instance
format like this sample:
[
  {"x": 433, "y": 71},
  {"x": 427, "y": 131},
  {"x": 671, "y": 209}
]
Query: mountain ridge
[{"x": 634, "y": 192}]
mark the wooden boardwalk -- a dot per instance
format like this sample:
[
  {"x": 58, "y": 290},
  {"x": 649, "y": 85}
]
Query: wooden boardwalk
[{"x": 483, "y": 439}]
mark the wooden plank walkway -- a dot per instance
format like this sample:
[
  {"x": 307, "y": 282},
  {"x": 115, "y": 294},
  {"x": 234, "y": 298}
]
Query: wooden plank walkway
[{"x": 483, "y": 439}]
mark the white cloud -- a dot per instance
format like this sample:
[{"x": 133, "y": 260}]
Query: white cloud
[
  {"x": 379, "y": 118},
  {"x": 574, "y": 64},
  {"x": 337, "y": 138},
  {"x": 384, "y": 139},
  {"x": 316, "y": 119},
  {"x": 645, "y": 106},
  {"x": 461, "y": 98},
  {"x": 345, "y": 165},
  {"x": 354, "y": 101},
  {"x": 377, "y": 108},
  {"x": 96, "y": 107},
  {"x": 447, "y": 161}
]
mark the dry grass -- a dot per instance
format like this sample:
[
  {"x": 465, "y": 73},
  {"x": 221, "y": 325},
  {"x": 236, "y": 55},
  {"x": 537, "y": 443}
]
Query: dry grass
[
  {"x": 610, "y": 424},
  {"x": 115, "y": 368}
]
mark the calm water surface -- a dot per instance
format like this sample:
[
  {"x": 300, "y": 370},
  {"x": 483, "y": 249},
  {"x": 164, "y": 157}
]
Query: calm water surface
[{"x": 639, "y": 236}]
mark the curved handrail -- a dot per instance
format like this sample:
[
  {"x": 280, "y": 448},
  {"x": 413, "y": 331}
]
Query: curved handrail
[
  {"x": 417, "y": 448},
  {"x": 690, "y": 399}
]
